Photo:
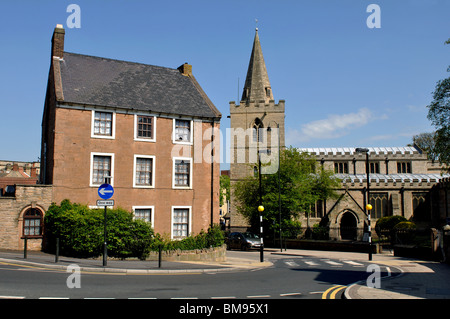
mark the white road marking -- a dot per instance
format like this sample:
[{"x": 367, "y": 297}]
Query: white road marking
[
  {"x": 333, "y": 263},
  {"x": 290, "y": 294},
  {"x": 353, "y": 263},
  {"x": 291, "y": 263}
]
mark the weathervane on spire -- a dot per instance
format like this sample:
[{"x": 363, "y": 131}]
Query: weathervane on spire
[{"x": 256, "y": 24}]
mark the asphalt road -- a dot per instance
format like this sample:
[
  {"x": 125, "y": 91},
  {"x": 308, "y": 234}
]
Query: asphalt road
[{"x": 290, "y": 277}]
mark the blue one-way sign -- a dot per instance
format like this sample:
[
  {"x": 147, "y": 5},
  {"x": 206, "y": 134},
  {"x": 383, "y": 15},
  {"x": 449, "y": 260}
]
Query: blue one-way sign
[{"x": 105, "y": 191}]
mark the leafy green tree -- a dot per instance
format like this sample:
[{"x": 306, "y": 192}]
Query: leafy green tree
[
  {"x": 439, "y": 115},
  {"x": 224, "y": 187},
  {"x": 427, "y": 143},
  {"x": 301, "y": 185}
]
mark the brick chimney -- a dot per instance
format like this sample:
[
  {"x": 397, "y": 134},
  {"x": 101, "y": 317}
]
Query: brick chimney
[
  {"x": 33, "y": 172},
  {"x": 58, "y": 41},
  {"x": 185, "y": 69}
]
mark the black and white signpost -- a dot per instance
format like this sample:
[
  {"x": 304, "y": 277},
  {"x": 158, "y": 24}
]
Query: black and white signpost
[{"x": 105, "y": 191}]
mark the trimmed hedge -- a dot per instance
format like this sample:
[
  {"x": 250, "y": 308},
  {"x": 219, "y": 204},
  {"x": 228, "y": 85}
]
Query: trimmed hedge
[
  {"x": 405, "y": 225},
  {"x": 81, "y": 233},
  {"x": 388, "y": 223},
  {"x": 214, "y": 237}
]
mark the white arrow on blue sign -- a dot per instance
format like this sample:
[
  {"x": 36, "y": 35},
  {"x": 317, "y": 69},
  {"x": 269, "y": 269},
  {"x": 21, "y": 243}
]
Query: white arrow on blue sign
[{"x": 105, "y": 191}]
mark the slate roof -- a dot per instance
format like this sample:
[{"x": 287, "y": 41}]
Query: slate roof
[{"x": 99, "y": 81}]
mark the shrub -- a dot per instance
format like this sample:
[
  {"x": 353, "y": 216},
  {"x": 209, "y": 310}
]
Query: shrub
[
  {"x": 319, "y": 232},
  {"x": 212, "y": 238},
  {"x": 405, "y": 233},
  {"x": 292, "y": 229},
  {"x": 81, "y": 231},
  {"x": 405, "y": 225},
  {"x": 388, "y": 223}
]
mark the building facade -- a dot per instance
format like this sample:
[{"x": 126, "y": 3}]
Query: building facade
[
  {"x": 401, "y": 178},
  {"x": 149, "y": 131},
  {"x": 401, "y": 181},
  {"x": 22, "y": 215},
  {"x": 22, "y": 205}
]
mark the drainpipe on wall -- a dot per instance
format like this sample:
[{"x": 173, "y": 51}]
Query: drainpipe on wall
[
  {"x": 402, "y": 192},
  {"x": 212, "y": 173}
]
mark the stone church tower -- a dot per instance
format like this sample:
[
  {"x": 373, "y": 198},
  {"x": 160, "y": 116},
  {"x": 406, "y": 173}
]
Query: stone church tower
[{"x": 257, "y": 123}]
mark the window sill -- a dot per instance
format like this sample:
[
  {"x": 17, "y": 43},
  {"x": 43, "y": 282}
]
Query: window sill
[
  {"x": 148, "y": 140},
  {"x": 182, "y": 142}
]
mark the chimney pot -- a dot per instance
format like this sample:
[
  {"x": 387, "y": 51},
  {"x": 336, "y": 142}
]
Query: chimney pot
[{"x": 33, "y": 172}]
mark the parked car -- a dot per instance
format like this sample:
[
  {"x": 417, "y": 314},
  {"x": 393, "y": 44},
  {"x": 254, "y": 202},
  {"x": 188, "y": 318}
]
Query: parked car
[{"x": 243, "y": 241}]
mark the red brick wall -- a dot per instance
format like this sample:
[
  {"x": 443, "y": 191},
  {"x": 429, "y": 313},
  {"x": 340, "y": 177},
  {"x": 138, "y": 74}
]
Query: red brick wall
[{"x": 71, "y": 169}]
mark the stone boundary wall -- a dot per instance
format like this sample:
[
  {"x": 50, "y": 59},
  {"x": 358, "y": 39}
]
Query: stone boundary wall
[{"x": 215, "y": 254}]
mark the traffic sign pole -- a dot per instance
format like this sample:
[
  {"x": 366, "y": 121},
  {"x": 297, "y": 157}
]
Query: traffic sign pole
[
  {"x": 105, "y": 191},
  {"x": 105, "y": 246}
]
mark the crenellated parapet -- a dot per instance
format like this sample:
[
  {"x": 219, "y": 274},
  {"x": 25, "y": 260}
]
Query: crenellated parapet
[{"x": 254, "y": 106}]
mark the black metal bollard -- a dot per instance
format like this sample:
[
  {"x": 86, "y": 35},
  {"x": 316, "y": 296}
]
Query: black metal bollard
[
  {"x": 25, "y": 247},
  {"x": 57, "y": 250},
  {"x": 159, "y": 256}
]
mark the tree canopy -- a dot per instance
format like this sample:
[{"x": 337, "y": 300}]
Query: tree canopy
[
  {"x": 427, "y": 143},
  {"x": 439, "y": 115},
  {"x": 302, "y": 183}
]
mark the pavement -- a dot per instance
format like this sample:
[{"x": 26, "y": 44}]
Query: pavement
[{"x": 409, "y": 279}]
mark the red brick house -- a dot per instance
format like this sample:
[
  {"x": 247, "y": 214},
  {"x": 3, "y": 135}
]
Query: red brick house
[{"x": 150, "y": 128}]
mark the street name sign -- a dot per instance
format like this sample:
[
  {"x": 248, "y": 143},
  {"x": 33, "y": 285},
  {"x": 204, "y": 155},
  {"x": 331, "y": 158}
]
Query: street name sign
[
  {"x": 102, "y": 203},
  {"x": 105, "y": 191}
]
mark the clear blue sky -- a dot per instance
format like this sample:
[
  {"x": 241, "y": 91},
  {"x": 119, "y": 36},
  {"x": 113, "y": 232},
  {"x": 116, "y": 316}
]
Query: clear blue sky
[{"x": 344, "y": 83}]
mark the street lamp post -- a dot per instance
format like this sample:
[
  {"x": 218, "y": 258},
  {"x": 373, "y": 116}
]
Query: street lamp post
[
  {"x": 279, "y": 183},
  {"x": 368, "y": 207}
]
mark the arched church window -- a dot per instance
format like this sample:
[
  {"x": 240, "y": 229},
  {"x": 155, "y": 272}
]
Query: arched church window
[{"x": 257, "y": 130}]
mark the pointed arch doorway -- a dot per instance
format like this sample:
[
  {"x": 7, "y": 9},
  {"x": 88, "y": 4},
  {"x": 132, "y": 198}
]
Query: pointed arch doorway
[{"x": 348, "y": 226}]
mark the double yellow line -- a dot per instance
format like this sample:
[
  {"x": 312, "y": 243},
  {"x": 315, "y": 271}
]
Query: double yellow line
[{"x": 332, "y": 291}]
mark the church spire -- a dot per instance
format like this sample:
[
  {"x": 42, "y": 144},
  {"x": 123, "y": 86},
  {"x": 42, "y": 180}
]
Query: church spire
[{"x": 257, "y": 84}]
